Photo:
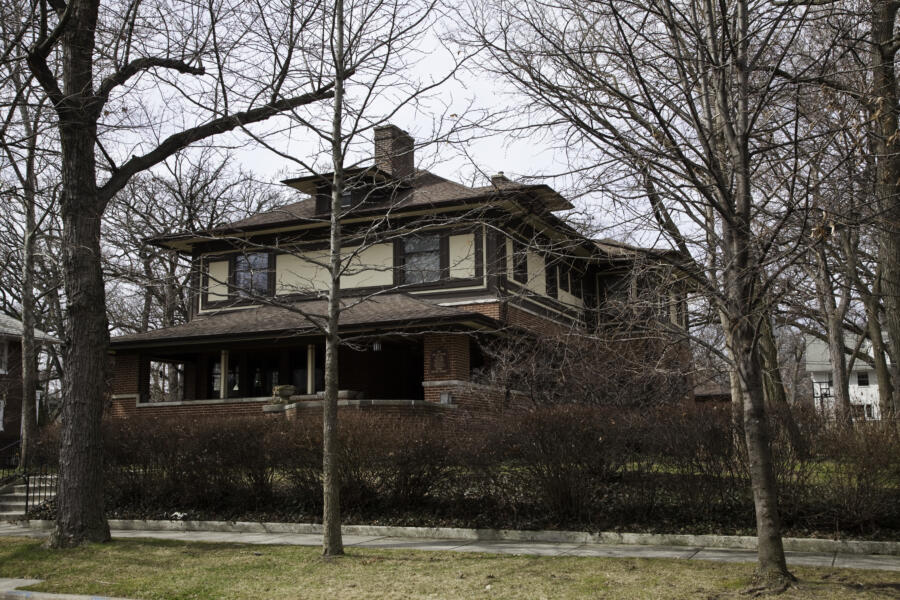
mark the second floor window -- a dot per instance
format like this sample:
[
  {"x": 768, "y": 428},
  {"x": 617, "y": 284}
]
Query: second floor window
[
  {"x": 422, "y": 259},
  {"x": 251, "y": 274}
]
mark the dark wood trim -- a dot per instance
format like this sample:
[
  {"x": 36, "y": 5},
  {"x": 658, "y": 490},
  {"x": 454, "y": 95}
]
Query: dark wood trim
[
  {"x": 517, "y": 292},
  {"x": 444, "y": 254},
  {"x": 399, "y": 262},
  {"x": 520, "y": 261},
  {"x": 479, "y": 252},
  {"x": 550, "y": 277},
  {"x": 292, "y": 336}
]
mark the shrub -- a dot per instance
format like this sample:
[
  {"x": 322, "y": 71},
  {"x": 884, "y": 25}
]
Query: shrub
[{"x": 569, "y": 466}]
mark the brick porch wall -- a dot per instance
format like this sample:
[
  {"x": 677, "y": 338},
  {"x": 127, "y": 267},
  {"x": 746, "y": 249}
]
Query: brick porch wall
[
  {"x": 446, "y": 357},
  {"x": 126, "y": 406},
  {"x": 126, "y": 374}
]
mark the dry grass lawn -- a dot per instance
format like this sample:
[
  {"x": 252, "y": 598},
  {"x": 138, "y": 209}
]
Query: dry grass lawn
[{"x": 176, "y": 570}]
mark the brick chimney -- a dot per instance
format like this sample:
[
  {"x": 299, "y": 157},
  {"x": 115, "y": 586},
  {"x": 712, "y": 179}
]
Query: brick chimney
[{"x": 394, "y": 151}]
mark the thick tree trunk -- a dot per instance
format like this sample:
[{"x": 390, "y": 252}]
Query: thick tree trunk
[
  {"x": 887, "y": 162},
  {"x": 80, "y": 516}
]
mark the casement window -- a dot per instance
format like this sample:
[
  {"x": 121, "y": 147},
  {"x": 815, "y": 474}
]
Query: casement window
[
  {"x": 4, "y": 357},
  {"x": 421, "y": 259},
  {"x": 520, "y": 262},
  {"x": 862, "y": 379},
  {"x": 251, "y": 274},
  {"x": 551, "y": 278},
  {"x": 577, "y": 285},
  {"x": 564, "y": 273}
]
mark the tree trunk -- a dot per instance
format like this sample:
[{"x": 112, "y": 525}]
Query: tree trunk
[
  {"x": 887, "y": 162},
  {"x": 332, "y": 542},
  {"x": 80, "y": 516},
  {"x": 886, "y": 396},
  {"x": 775, "y": 394},
  {"x": 28, "y": 431},
  {"x": 771, "y": 562},
  {"x": 834, "y": 329}
]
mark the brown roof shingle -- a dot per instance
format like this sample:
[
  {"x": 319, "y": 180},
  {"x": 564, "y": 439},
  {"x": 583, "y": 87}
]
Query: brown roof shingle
[{"x": 270, "y": 320}]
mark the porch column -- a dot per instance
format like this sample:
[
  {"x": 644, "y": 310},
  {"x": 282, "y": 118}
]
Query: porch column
[
  {"x": 311, "y": 369},
  {"x": 446, "y": 358}
]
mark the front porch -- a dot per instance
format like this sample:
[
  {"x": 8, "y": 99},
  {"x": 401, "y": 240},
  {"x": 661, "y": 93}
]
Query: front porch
[{"x": 392, "y": 372}]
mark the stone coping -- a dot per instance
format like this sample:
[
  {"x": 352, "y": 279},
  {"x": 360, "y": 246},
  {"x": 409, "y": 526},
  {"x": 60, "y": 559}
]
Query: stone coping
[
  {"x": 513, "y": 535},
  {"x": 276, "y": 408},
  {"x": 205, "y": 402}
]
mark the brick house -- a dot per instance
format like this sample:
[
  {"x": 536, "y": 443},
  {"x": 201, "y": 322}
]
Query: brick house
[
  {"x": 11, "y": 376},
  {"x": 433, "y": 267}
]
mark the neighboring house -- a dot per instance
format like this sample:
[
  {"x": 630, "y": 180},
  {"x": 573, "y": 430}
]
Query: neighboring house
[
  {"x": 863, "y": 383},
  {"x": 11, "y": 376},
  {"x": 436, "y": 268}
]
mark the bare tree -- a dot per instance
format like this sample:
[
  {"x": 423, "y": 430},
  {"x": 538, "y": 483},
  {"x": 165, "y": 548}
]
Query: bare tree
[
  {"x": 22, "y": 132},
  {"x": 664, "y": 104},
  {"x": 115, "y": 80}
]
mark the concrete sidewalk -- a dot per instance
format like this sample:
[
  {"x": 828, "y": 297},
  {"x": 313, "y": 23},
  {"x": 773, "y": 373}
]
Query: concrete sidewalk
[{"x": 829, "y": 559}]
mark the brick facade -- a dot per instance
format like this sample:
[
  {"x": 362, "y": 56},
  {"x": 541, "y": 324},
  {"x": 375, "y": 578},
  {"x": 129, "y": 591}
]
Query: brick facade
[
  {"x": 446, "y": 356},
  {"x": 124, "y": 407},
  {"x": 518, "y": 317},
  {"x": 126, "y": 374},
  {"x": 11, "y": 392}
]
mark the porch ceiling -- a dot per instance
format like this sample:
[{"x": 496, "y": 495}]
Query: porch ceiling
[{"x": 397, "y": 311}]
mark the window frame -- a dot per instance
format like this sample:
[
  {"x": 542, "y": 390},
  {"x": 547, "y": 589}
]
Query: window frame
[
  {"x": 551, "y": 277},
  {"x": 4, "y": 356},
  {"x": 443, "y": 252},
  {"x": 234, "y": 292},
  {"x": 233, "y": 298},
  {"x": 865, "y": 377}
]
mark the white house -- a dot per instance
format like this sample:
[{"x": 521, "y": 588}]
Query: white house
[{"x": 863, "y": 383}]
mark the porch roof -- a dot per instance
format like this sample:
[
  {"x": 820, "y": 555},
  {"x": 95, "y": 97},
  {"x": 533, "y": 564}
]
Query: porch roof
[{"x": 269, "y": 321}]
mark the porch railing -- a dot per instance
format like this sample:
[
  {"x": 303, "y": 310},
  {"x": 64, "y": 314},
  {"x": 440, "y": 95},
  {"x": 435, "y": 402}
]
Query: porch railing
[
  {"x": 41, "y": 482},
  {"x": 9, "y": 462}
]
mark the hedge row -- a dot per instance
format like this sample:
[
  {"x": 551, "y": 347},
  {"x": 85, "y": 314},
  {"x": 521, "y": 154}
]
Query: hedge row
[{"x": 560, "y": 467}]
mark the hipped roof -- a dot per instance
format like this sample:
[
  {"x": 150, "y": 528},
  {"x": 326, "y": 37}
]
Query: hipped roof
[{"x": 388, "y": 311}]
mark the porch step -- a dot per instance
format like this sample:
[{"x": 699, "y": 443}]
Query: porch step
[{"x": 13, "y": 500}]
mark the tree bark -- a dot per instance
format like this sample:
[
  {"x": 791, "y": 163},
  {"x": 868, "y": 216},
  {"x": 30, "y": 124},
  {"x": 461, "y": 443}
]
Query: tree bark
[
  {"x": 886, "y": 98},
  {"x": 80, "y": 515},
  {"x": 775, "y": 394},
  {"x": 332, "y": 542},
  {"x": 834, "y": 329},
  {"x": 29, "y": 423},
  {"x": 772, "y": 567}
]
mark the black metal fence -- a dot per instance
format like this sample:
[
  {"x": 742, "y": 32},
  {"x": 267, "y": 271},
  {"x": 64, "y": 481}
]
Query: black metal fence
[
  {"x": 40, "y": 480},
  {"x": 9, "y": 462}
]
